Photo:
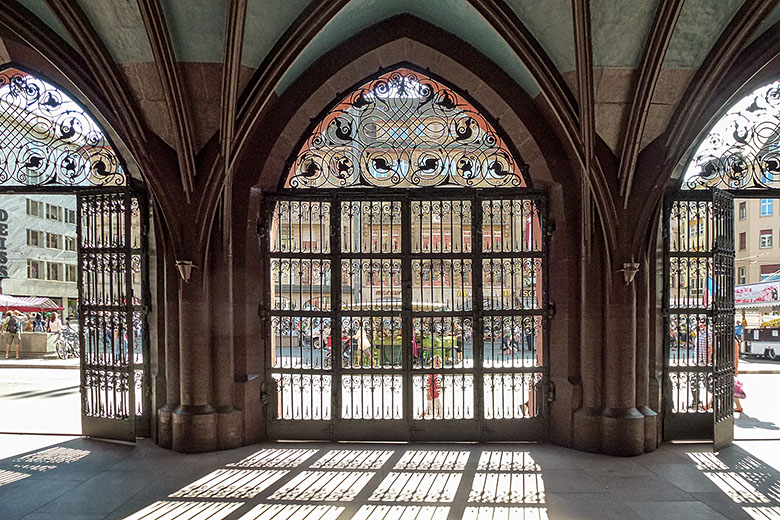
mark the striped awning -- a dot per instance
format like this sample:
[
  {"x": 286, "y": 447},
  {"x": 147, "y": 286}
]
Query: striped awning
[{"x": 27, "y": 304}]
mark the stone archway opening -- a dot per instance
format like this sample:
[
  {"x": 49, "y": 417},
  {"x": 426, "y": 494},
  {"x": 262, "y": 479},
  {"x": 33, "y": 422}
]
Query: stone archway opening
[
  {"x": 406, "y": 274},
  {"x": 91, "y": 242}
]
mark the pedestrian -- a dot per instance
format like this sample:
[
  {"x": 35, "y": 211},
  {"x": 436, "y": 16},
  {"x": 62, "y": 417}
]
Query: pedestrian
[
  {"x": 38, "y": 323},
  {"x": 433, "y": 405},
  {"x": 739, "y": 393},
  {"x": 54, "y": 326},
  {"x": 12, "y": 327}
]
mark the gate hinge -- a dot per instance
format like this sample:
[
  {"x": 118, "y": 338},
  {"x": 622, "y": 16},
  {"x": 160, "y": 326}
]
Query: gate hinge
[
  {"x": 550, "y": 310},
  {"x": 261, "y": 311},
  {"x": 549, "y": 227},
  {"x": 261, "y": 230},
  {"x": 265, "y": 397},
  {"x": 550, "y": 391}
]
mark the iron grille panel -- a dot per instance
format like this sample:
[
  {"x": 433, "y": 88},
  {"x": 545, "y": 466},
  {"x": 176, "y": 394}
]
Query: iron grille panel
[
  {"x": 417, "y": 336},
  {"x": 112, "y": 314},
  {"x": 699, "y": 314}
]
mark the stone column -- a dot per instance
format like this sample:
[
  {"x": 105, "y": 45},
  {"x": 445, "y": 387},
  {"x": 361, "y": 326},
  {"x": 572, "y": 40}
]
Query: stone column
[
  {"x": 170, "y": 339},
  {"x": 587, "y": 419},
  {"x": 623, "y": 428},
  {"x": 194, "y": 420},
  {"x": 229, "y": 419},
  {"x": 643, "y": 355}
]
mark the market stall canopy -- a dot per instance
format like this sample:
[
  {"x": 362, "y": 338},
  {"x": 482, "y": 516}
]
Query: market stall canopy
[
  {"x": 757, "y": 295},
  {"x": 27, "y": 304}
]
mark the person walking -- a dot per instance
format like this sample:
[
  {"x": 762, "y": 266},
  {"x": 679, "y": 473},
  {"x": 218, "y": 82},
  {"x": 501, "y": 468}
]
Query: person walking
[
  {"x": 433, "y": 405},
  {"x": 12, "y": 327},
  {"x": 737, "y": 385},
  {"x": 54, "y": 326}
]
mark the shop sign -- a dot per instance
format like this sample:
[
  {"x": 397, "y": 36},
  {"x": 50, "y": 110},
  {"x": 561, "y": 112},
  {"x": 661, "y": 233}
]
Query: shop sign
[{"x": 757, "y": 293}]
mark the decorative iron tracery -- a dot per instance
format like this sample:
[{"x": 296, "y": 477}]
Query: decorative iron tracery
[
  {"x": 405, "y": 129},
  {"x": 48, "y": 139},
  {"x": 742, "y": 151}
]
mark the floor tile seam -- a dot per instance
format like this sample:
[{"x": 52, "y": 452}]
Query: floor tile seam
[{"x": 51, "y": 499}]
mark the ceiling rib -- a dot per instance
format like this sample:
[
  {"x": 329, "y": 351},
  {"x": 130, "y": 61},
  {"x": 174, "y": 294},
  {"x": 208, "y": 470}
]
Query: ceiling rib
[
  {"x": 102, "y": 66},
  {"x": 712, "y": 72},
  {"x": 279, "y": 59},
  {"x": 165, "y": 60},
  {"x": 584, "y": 63},
  {"x": 655, "y": 50},
  {"x": 234, "y": 38},
  {"x": 39, "y": 36},
  {"x": 506, "y": 23}
]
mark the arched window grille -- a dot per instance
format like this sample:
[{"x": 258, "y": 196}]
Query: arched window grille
[
  {"x": 48, "y": 139},
  {"x": 405, "y": 129},
  {"x": 742, "y": 151}
]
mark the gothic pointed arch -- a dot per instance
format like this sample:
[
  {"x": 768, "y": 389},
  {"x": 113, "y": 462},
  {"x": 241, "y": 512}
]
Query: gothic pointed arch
[
  {"x": 49, "y": 139},
  {"x": 404, "y": 128}
]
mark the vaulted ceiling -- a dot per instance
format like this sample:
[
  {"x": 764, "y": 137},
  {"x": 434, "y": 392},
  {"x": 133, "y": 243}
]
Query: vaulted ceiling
[
  {"x": 618, "y": 70},
  {"x": 619, "y": 33}
]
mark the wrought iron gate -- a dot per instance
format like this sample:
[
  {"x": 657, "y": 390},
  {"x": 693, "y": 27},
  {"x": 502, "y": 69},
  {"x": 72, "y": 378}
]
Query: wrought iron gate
[
  {"x": 113, "y": 297},
  {"x": 405, "y": 314},
  {"x": 699, "y": 316}
]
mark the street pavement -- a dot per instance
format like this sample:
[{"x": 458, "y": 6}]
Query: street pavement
[
  {"x": 37, "y": 400},
  {"x": 44, "y": 398}
]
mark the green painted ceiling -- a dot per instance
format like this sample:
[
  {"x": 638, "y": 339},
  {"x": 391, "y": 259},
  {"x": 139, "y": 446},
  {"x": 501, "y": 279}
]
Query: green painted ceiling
[
  {"x": 266, "y": 21},
  {"x": 42, "y": 11},
  {"x": 619, "y": 29},
  {"x": 552, "y": 25},
  {"x": 121, "y": 27},
  {"x": 455, "y": 16},
  {"x": 197, "y": 29},
  {"x": 700, "y": 24}
]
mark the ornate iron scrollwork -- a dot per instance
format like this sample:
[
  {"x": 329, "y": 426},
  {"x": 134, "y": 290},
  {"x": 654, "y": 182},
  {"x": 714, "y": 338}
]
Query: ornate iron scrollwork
[
  {"x": 742, "y": 151},
  {"x": 405, "y": 129},
  {"x": 48, "y": 139}
]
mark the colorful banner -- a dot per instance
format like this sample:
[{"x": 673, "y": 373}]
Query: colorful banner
[{"x": 757, "y": 293}]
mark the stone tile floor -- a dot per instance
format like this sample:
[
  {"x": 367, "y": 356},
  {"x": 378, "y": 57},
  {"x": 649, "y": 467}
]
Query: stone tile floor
[{"x": 70, "y": 478}]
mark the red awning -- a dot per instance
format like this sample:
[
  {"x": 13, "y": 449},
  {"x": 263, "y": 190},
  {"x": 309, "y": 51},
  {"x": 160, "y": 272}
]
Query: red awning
[{"x": 27, "y": 304}]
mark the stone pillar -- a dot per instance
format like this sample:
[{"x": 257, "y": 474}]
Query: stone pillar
[
  {"x": 195, "y": 419},
  {"x": 623, "y": 428},
  {"x": 643, "y": 355},
  {"x": 229, "y": 419},
  {"x": 587, "y": 419},
  {"x": 170, "y": 339}
]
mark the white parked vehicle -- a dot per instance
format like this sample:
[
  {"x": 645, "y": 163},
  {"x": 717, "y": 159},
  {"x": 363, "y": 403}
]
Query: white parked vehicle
[{"x": 764, "y": 342}]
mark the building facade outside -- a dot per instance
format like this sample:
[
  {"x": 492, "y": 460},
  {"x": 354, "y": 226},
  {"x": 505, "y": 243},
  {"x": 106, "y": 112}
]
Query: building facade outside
[
  {"x": 41, "y": 247},
  {"x": 757, "y": 239}
]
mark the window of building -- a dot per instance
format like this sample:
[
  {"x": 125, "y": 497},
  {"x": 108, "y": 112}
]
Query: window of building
[
  {"x": 54, "y": 271},
  {"x": 70, "y": 243},
  {"x": 742, "y": 210},
  {"x": 742, "y": 277},
  {"x": 765, "y": 239},
  {"x": 70, "y": 216},
  {"x": 34, "y": 238},
  {"x": 766, "y": 207},
  {"x": 742, "y": 241},
  {"x": 34, "y": 269},
  {"x": 53, "y": 241},
  {"x": 34, "y": 208},
  {"x": 53, "y": 212},
  {"x": 71, "y": 273}
]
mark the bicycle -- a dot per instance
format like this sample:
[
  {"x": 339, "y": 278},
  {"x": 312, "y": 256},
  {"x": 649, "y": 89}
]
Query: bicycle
[{"x": 67, "y": 345}]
